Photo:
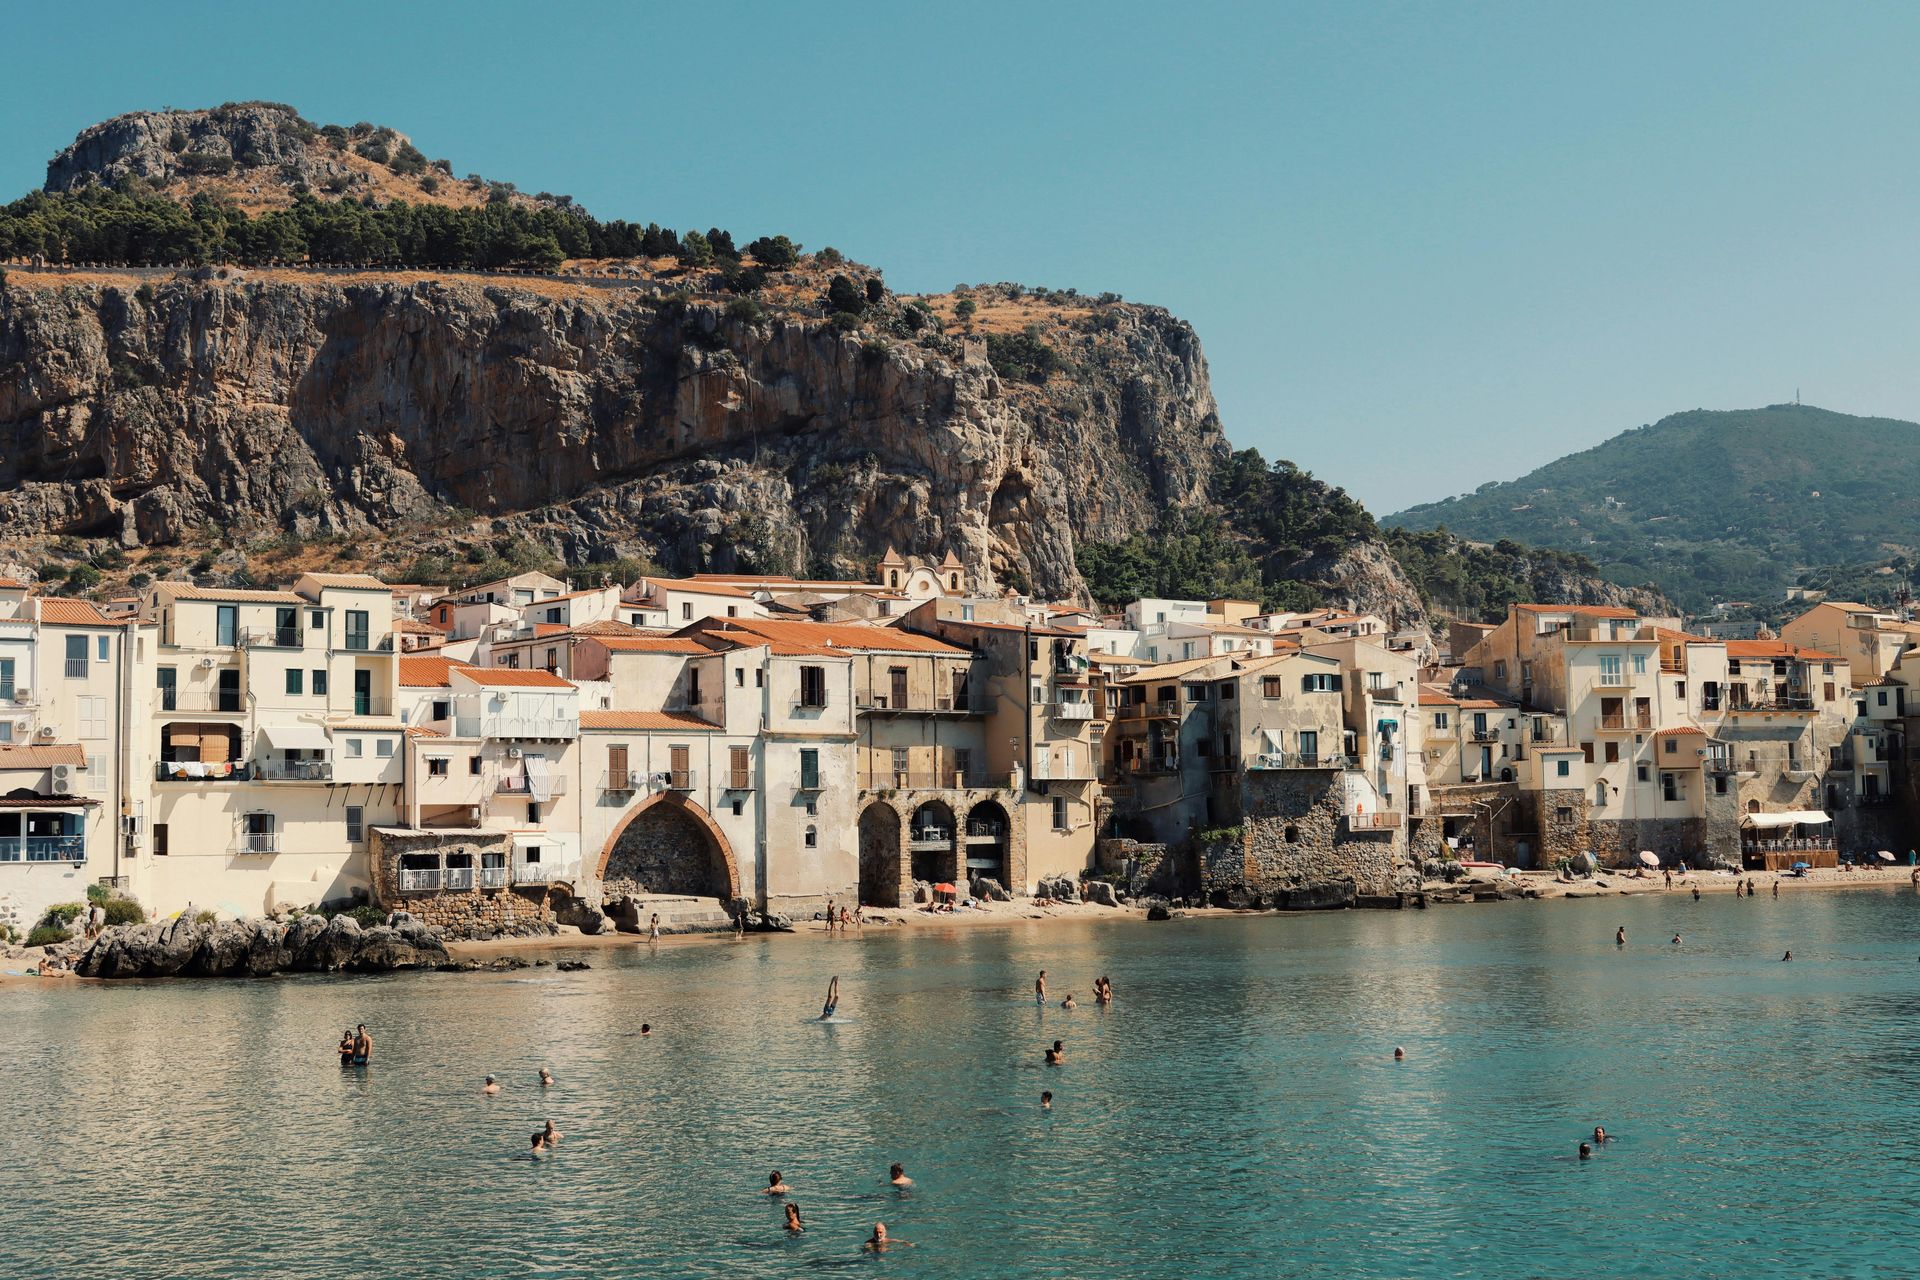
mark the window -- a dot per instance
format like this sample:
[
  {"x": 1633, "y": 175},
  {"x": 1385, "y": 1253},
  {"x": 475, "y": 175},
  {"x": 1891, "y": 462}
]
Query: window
[
  {"x": 226, "y": 625},
  {"x": 809, "y": 769},
  {"x": 357, "y": 629},
  {"x": 1060, "y": 822},
  {"x": 356, "y": 824},
  {"x": 473, "y": 765},
  {"x": 259, "y": 835},
  {"x": 296, "y": 681},
  {"x": 76, "y": 657},
  {"x": 1562, "y": 769},
  {"x": 813, "y": 686},
  {"x": 813, "y": 838},
  {"x": 319, "y": 682},
  {"x": 1321, "y": 683},
  {"x": 355, "y": 748},
  {"x": 383, "y": 747},
  {"x": 1440, "y": 720},
  {"x": 436, "y": 766}
]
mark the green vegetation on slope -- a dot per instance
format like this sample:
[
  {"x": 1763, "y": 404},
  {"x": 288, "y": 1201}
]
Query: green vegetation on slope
[
  {"x": 1712, "y": 505},
  {"x": 99, "y": 224}
]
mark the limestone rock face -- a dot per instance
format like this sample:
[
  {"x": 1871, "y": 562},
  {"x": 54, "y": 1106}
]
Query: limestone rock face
[{"x": 598, "y": 423}]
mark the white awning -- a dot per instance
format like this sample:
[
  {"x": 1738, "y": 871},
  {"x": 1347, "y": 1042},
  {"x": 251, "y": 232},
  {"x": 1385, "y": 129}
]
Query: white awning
[
  {"x": 1790, "y": 818},
  {"x": 296, "y": 737}
]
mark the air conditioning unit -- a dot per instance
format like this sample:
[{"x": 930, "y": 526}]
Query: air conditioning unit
[
  {"x": 61, "y": 778},
  {"x": 513, "y": 753}
]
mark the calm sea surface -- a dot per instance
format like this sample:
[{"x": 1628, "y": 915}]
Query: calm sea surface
[{"x": 1236, "y": 1113}]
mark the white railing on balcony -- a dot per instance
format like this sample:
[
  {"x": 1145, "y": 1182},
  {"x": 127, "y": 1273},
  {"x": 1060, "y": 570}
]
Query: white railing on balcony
[
  {"x": 293, "y": 770},
  {"x": 419, "y": 879}
]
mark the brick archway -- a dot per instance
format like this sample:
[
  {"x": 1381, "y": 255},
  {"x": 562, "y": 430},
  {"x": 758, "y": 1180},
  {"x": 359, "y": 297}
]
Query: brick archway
[{"x": 673, "y": 801}]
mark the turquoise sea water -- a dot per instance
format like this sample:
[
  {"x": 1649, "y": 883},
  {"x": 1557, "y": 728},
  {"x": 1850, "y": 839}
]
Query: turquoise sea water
[{"x": 1237, "y": 1112}]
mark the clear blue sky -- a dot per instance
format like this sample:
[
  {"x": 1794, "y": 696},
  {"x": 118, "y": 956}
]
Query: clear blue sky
[{"x": 1424, "y": 248}]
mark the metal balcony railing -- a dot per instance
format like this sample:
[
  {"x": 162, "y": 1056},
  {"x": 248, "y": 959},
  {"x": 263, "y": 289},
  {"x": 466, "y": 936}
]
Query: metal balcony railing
[
  {"x": 516, "y": 784},
  {"x": 43, "y": 848},
  {"x": 202, "y": 771},
  {"x": 293, "y": 770}
]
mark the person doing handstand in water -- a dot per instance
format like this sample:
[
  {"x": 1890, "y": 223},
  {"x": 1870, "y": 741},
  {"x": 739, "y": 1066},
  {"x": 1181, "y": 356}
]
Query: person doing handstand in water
[{"x": 833, "y": 999}]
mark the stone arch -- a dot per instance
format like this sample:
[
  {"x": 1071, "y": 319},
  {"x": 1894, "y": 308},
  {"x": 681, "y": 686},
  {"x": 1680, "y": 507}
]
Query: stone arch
[
  {"x": 988, "y": 841},
  {"x": 882, "y": 877},
  {"x": 676, "y": 847}
]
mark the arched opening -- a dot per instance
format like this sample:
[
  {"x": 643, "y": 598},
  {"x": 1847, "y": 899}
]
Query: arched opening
[
  {"x": 987, "y": 830},
  {"x": 930, "y": 841},
  {"x": 880, "y": 856},
  {"x": 668, "y": 846}
]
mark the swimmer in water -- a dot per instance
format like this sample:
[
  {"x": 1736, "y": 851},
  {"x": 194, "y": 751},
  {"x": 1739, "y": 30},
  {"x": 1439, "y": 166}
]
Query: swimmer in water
[
  {"x": 833, "y": 999},
  {"x": 546, "y": 1078},
  {"x": 1040, "y": 988},
  {"x": 1620, "y": 936},
  {"x": 794, "y": 1225},
  {"x": 1057, "y": 1054},
  {"x": 552, "y": 1135},
  {"x": 1046, "y": 1099},
  {"x": 1599, "y": 1135},
  {"x": 897, "y": 1176},
  {"x": 1586, "y": 1152},
  {"x": 491, "y": 1087},
  {"x": 776, "y": 1186},
  {"x": 1068, "y": 1003}
]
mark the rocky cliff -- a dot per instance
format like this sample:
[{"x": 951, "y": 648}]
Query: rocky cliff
[{"x": 418, "y": 413}]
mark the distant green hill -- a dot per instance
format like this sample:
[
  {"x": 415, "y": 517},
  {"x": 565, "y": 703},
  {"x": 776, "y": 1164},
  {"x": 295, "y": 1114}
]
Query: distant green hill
[{"x": 1714, "y": 505}]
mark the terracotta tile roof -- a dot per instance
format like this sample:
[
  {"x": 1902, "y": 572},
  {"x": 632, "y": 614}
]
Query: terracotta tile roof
[
  {"x": 427, "y": 671},
  {"x": 72, "y": 613},
  {"x": 237, "y": 595},
  {"x": 828, "y": 637},
  {"x": 1775, "y": 649},
  {"x": 352, "y": 581},
  {"x": 694, "y": 585},
  {"x": 513, "y": 678},
  {"x": 650, "y": 644},
  {"x": 42, "y": 757},
  {"x": 635, "y": 720}
]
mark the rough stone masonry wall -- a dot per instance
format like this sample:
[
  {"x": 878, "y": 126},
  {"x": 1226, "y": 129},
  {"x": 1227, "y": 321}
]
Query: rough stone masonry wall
[{"x": 1297, "y": 848}]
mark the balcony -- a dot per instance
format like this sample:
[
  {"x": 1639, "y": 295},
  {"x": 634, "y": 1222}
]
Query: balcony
[
  {"x": 202, "y": 771},
  {"x": 1070, "y": 710},
  {"x": 1381, "y": 821},
  {"x": 516, "y": 784},
  {"x": 43, "y": 848},
  {"x": 271, "y": 638},
  {"x": 225, "y": 702},
  {"x": 293, "y": 770},
  {"x": 1295, "y": 760}
]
